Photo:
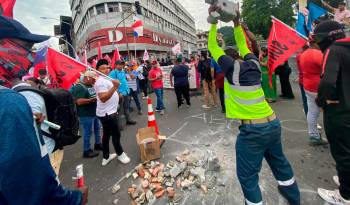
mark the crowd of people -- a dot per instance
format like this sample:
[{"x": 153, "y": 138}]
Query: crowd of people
[{"x": 238, "y": 75}]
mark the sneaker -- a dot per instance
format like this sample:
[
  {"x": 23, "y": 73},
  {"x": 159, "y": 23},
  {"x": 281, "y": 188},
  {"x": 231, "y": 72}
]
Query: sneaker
[
  {"x": 188, "y": 106},
  {"x": 158, "y": 110},
  {"x": 319, "y": 127},
  {"x": 90, "y": 154},
  {"x": 336, "y": 180},
  {"x": 317, "y": 141},
  {"x": 110, "y": 158},
  {"x": 98, "y": 147},
  {"x": 179, "y": 107},
  {"x": 123, "y": 158},
  {"x": 145, "y": 97},
  {"x": 332, "y": 197},
  {"x": 131, "y": 122},
  {"x": 140, "y": 112},
  {"x": 205, "y": 107},
  {"x": 162, "y": 112}
]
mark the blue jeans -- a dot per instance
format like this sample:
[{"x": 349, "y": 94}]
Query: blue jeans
[
  {"x": 312, "y": 115},
  {"x": 254, "y": 143},
  {"x": 159, "y": 93},
  {"x": 89, "y": 123},
  {"x": 303, "y": 97}
]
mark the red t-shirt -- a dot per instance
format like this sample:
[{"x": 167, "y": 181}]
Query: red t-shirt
[
  {"x": 153, "y": 73},
  {"x": 311, "y": 66},
  {"x": 299, "y": 69}
]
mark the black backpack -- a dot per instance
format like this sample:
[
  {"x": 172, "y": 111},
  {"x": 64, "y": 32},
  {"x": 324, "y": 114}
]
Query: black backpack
[{"x": 61, "y": 110}]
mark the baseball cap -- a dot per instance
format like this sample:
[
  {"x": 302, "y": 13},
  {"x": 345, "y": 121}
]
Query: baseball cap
[
  {"x": 90, "y": 74},
  {"x": 10, "y": 28},
  {"x": 154, "y": 62},
  {"x": 119, "y": 62}
]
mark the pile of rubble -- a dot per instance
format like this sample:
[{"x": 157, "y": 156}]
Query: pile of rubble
[{"x": 188, "y": 172}]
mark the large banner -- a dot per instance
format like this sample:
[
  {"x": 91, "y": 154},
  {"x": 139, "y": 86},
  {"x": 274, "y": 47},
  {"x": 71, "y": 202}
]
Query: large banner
[{"x": 192, "y": 76}]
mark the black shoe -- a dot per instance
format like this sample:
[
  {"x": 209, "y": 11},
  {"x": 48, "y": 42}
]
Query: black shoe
[
  {"x": 98, "y": 147},
  {"x": 90, "y": 154},
  {"x": 131, "y": 122}
]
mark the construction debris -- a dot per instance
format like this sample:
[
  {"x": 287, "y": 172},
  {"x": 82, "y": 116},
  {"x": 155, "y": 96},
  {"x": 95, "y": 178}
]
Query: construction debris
[{"x": 188, "y": 172}]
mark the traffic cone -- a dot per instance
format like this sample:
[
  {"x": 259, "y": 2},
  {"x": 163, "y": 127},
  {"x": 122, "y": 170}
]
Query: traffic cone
[{"x": 151, "y": 117}]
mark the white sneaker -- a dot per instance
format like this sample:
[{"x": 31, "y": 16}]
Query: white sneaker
[
  {"x": 205, "y": 107},
  {"x": 332, "y": 197},
  {"x": 106, "y": 161},
  {"x": 336, "y": 180},
  {"x": 123, "y": 158},
  {"x": 162, "y": 112},
  {"x": 319, "y": 127}
]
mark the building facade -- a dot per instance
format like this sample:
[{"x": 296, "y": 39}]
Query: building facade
[
  {"x": 202, "y": 40},
  {"x": 166, "y": 22}
]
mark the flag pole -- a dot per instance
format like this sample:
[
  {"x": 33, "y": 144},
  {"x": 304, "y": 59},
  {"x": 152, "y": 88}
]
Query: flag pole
[
  {"x": 274, "y": 18},
  {"x": 135, "y": 47}
]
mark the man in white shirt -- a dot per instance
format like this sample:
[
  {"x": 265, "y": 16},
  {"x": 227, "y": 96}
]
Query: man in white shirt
[{"x": 107, "y": 112}]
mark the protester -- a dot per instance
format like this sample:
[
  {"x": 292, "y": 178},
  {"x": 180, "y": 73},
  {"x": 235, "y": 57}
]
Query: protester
[
  {"x": 311, "y": 66},
  {"x": 179, "y": 80},
  {"x": 85, "y": 96},
  {"x": 334, "y": 98},
  {"x": 269, "y": 91},
  {"x": 207, "y": 76},
  {"x": 132, "y": 83},
  {"x": 260, "y": 130},
  {"x": 341, "y": 14},
  {"x": 120, "y": 74},
  {"x": 143, "y": 79},
  {"x": 156, "y": 79},
  {"x": 107, "y": 112},
  {"x": 24, "y": 161},
  {"x": 284, "y": 71},
  {"x": 301, "y": 79},
  {"x": 219, "y": 82}
]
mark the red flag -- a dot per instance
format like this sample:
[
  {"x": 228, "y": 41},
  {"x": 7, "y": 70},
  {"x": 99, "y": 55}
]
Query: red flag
[
  {"x": 99, "y": 51},
  {"x": 282, "y": 44},
  {"x": 63, "y": 69},
  {"x": 6, "y": 7},
  {"x": 40, "y": 70},
  {"x": 116, "y": 56}
]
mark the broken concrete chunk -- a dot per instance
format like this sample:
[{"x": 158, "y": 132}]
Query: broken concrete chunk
[
  {"x": 159, "y": 193},
  {"x": 115, "y": 188},
  {"x": 186, "y": 183},
  {"x": 135, "y": 175},
  {"x": 175, "y": 171},
  {"x": 171, "y": 192},
  {"x": 149, "y": 195},
  {"x": 199, "y": 172}
]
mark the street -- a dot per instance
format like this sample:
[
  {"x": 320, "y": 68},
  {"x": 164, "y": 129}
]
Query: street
[{"x": 198, "y": 131}]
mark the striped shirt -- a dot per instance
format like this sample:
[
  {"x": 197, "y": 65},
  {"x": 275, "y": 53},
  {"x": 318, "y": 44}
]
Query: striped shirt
[{"x": 132, "y": 82}]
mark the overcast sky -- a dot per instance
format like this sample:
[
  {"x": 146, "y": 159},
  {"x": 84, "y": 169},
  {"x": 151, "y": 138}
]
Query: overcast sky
[{"x": 29, "y": 12}]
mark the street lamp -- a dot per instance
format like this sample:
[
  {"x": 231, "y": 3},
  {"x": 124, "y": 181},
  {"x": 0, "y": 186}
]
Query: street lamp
[
  {"x": 50, "y": 18},
  {"x": 69, "y": 44}
]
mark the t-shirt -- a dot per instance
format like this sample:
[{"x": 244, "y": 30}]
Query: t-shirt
[
  {"x": 121, "y": 76},
  {"x": 132, "y": 83},
  {"x": 155, "y": 72},
  {"x": 340, "y": 16},
  {"x": 180, "y": 73},
  {"x": 82, "y": 91},
  {"x": 311, "y": 66},
  {"x": 26, "y": 175},
  {"x": 111, "y": 105},
  {"x": 37, "y": 104},
  {"x": 213, "y": 64}
]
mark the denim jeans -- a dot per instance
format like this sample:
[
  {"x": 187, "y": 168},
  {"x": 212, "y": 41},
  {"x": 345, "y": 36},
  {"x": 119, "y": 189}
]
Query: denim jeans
[
  {"x": 159, "y": 93},
  {"x": 89, "y": 123},
  {"x": 303, "y": 97},
  {"x": 254, "y": 143},
  {"x": 135, "y": 96},
  {"x": 312, "y": 115}
]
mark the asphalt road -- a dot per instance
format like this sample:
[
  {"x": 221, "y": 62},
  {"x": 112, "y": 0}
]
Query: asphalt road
[{"x": 200, "y": 130}]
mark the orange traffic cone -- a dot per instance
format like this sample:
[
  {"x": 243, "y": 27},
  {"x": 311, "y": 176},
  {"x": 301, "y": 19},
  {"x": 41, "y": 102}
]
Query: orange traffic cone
[{"x": 151, "y": 117}]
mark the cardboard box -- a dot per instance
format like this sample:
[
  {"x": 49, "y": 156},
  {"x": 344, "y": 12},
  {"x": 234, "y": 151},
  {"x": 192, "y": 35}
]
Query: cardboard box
[{"x": 148, "y": 143}]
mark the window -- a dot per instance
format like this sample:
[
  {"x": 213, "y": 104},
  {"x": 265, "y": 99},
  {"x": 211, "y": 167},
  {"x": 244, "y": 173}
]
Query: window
[
  {"x": 91, "y": 12},
  {"x": 113, "y": 7},
  {"x": 126, "y": 7},
  {"x": 100, "y": 8}
]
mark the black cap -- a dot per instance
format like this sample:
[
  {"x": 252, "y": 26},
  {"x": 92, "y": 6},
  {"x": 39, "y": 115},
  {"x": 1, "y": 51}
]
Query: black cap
[
  {"x": 10, "y": 28},
  {"x": 327, "y": 29},
  {"x": 119, "y": 62}
]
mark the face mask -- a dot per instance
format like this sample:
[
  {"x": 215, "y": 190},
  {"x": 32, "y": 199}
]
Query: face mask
[{"x": 15, "y": 61}]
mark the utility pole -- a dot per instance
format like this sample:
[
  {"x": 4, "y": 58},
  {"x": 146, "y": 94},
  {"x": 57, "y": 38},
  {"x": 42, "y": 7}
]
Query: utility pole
[{"x": 126, "y": 35}]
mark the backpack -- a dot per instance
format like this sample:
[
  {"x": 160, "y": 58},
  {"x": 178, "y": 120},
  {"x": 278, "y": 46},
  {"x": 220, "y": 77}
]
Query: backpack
[{"x": 61, "y": 110}]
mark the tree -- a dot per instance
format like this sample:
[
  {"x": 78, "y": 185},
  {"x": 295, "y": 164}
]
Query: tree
[
  {"x": 227, "y": 32},
  {"x": 257, "y": 14}
]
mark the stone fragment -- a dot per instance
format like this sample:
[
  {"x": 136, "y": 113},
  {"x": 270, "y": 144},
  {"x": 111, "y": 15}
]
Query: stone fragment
[
  {"x": 159, "y": 194},
  {"x": 155, "y": 171},
  {"x": 177, "y": 197},
  {"x": 171, "y": 192},
  {"x": 169, "y": 184},
  {"x": 115, "y": 188},
  {"x": 204, "y": 188},
  {"x": 115, "y": 201},
  {"x": 145, "y": 184},
  {"x": 179, "y": 159},
  {"x": 183, "y": 166},
  {"x": 191, "y": 178},
  {"x": 135, "y": 175},
  {"x": 178, "y": 183},
  {"x": 199, "y": 172},
  {"x": 186, "y": 152},
  {"x": 147, "y": 175},
  {"x": 186, "y": 183},
  {"x": 175, "y": 171},
  {"x": 186, "y": 173},
  {"x": 213, "y": 162},
  {"x": 149, "y": 195},
  {"x": 127, "y": 175},
  {"x": 142, "y": 198}
]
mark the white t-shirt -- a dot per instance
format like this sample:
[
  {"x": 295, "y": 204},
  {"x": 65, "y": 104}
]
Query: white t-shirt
[
  {"x": 103, "y": 85},
  {"x": 37, "y": 104}
]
